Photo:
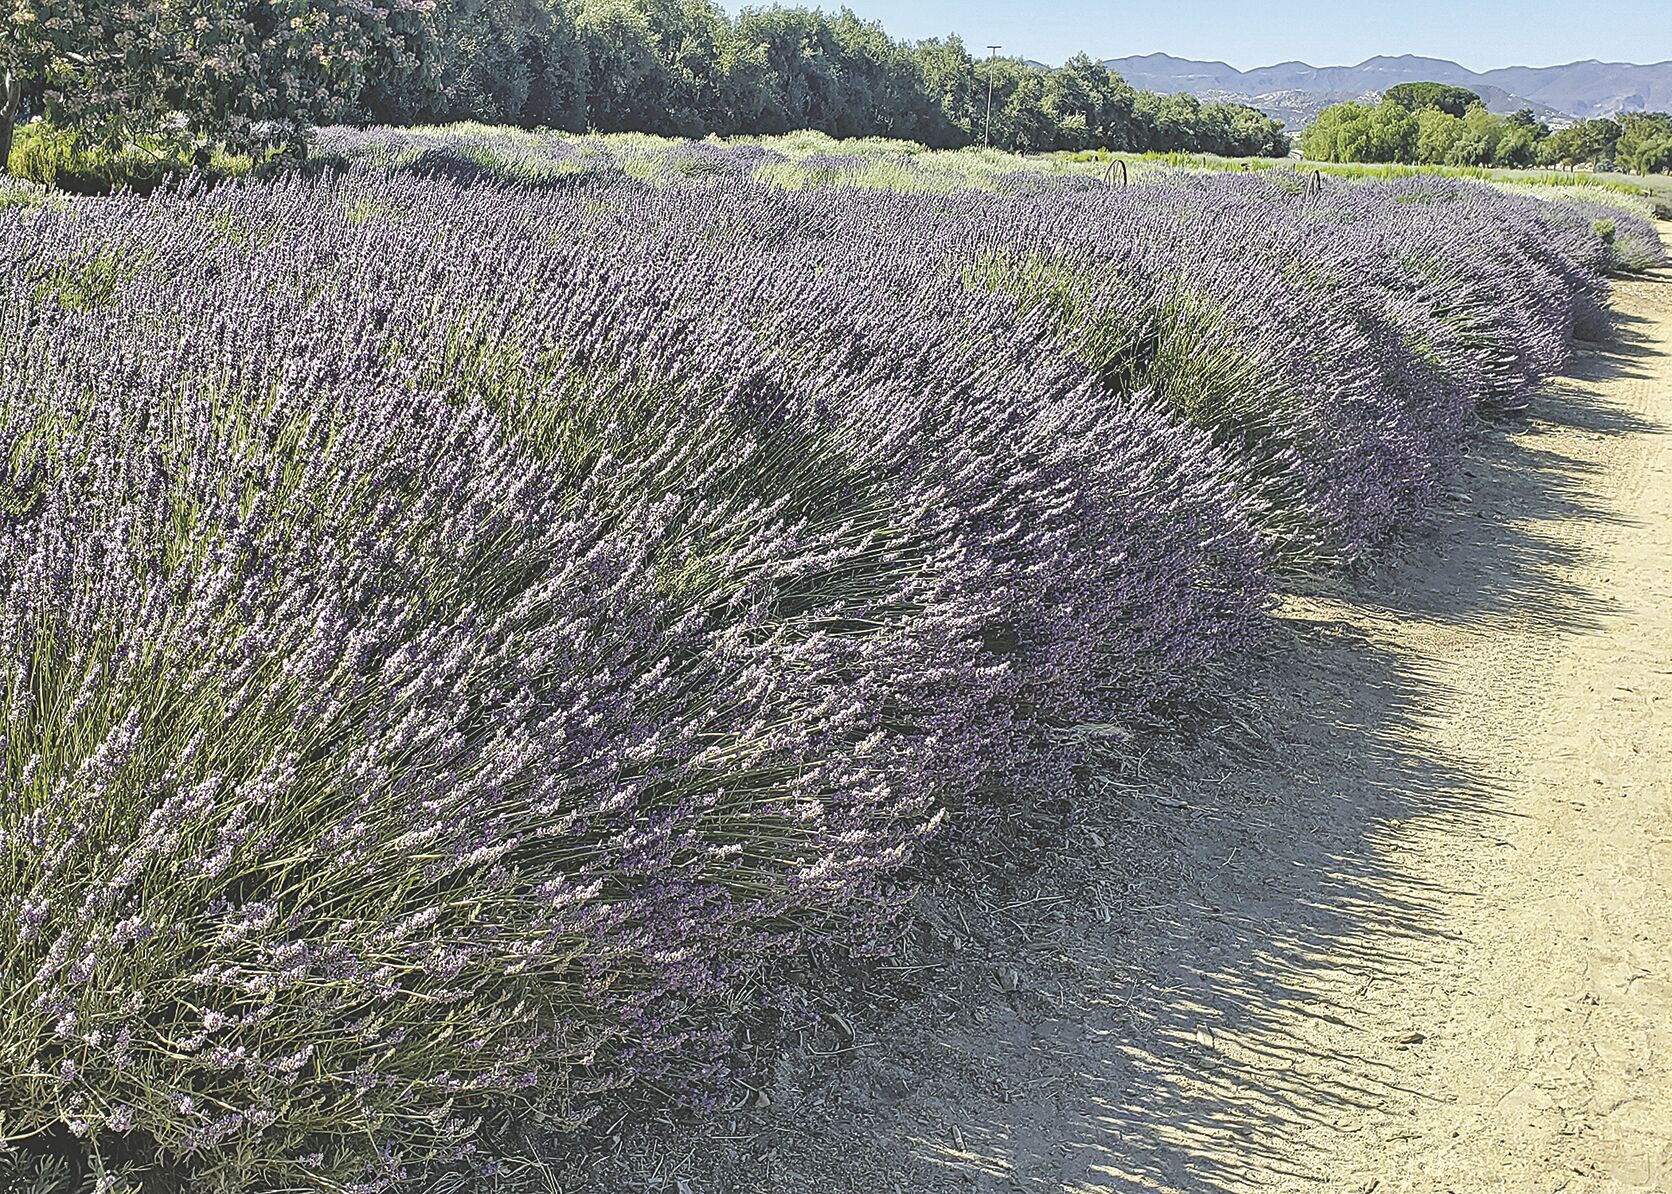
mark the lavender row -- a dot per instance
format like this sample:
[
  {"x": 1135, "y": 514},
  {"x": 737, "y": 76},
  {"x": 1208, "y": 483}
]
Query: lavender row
[{"x": 458, "y": 639}]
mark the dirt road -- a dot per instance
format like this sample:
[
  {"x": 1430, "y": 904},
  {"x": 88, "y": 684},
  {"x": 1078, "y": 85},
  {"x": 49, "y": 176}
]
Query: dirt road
[{"x": 1404, "y": 925}]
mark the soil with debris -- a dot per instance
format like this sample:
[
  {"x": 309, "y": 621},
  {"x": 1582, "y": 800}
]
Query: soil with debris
[{"x": 1399, "y": 921}]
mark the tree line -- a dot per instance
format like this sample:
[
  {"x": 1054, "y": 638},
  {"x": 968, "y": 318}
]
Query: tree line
[
  {"x": 240, "y": 73},
  {"x": 1439, "y": 125}
]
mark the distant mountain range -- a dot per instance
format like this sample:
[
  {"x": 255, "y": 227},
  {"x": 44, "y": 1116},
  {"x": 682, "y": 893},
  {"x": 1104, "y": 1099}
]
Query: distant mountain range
[{"x": 1295, "y": 91}]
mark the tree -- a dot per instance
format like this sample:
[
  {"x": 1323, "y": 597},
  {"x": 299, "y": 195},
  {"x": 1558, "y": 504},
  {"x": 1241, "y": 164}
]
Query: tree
[
  {"x": 1438, "y": 132},
  {"x": 633, "y": 82},
  {"x": 1485, "y": 133},
  {"x": 1075, "y": 98},
  {"x": 1121, "y": 128},
  {"x": 497, "y": 61},
  {"x": 1416, "y": 97},
  {"x": 1351, "y": 132},
  {"x": 118, "y": 70},
  {"x": 1393, "y": 133},
  {"x": 225, "y": 70},
  {"x": 1598, "y": 140},
  {"x": 883, "y": 87},
  {"x": 949, "y": 83},
  {"x": 11, "y": 95},
  {"x": 1584, "y": 143},
  {"x": 1178, "y": 120},
  {"x": 557, "y": 63},
  {"x": 1028, "y": 126},
  {"x": 1644, "y": 145},
  {"x": 1247, "y": 132},
  {"x": 798, "y": 87},
  {"x": 1431, "y": 135},
  {"x": 1517, "y": 147},
  {"x": 1321, "y": 140}
]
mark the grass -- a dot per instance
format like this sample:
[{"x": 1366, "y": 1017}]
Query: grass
[
  {"x": 794, "y": 161},
  {"x": 57, "y": 160},
  {"x": 60, "y": 160},
  {"x": 1656, "y": 189}
]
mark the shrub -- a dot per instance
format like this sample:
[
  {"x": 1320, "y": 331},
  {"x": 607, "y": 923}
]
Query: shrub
[
  {"x": 460, "y": 639},
  {"x": 65, "y": 161}
]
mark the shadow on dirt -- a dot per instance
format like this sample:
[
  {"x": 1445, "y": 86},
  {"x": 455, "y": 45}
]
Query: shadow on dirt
[
  {"x": 1114, "y": 1020},
  {"x": 1484, "y": 554}
]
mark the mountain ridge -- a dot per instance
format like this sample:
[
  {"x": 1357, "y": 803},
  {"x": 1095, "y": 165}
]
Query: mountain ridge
[{"x": 1586, "y": 88}]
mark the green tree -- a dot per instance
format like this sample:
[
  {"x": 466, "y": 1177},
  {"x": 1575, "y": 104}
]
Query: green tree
[
  {"x": 1321, "y": 140},
  {"x": 1416, "y": 97},
  {"x": 207, "y": 70},
  {"x": 1583, "y": 143},
  {"x": 1247, "y": 132},
  {"x": 1120, "y": 127},
  {"x": 653, "y": 65},
  {"x": 883, "y": 90},
  {"x": 1351, "y": 132},
  {"x": 1028, "y": 126},
  {"x": 1517, "y": 147},
  {"x": 797, "y": 83},
  {"x": 499, "y": 61},
  {"x": 1388, "y": 132},
  {"x": 1437, "y": 132},
  {"x": 1484, "y": 132},
  {"x": 1178, "y": 124},
  {"x": 1644, "y": 145},
  {"x": 949, "y": 82},
  {"x": 1393, "y": 133},
  {"x": 1076, "y": 97}
]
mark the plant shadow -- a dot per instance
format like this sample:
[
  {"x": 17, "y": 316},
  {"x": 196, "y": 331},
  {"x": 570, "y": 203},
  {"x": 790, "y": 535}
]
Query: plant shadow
[{"x": 1119, "y": 1018}]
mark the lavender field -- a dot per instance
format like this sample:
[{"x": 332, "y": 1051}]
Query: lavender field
[{"x": 466, "y": 630}]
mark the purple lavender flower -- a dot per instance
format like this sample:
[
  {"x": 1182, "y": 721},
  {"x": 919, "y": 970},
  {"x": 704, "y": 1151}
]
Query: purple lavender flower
[{"x": 458, "y": 638}]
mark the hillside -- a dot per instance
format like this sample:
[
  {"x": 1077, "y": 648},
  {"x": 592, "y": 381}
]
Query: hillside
[{"x": 1578, "y": 89}]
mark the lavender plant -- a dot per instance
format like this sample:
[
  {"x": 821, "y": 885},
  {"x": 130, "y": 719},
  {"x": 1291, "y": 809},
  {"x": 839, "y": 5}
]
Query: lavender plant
[{"x": 459, "y": 637}]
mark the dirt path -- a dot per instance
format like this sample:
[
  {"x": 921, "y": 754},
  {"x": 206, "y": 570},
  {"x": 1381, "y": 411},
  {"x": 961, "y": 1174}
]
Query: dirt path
[{"x": 1406, "y": 929}]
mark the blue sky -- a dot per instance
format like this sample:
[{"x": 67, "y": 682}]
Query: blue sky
[{"x": 1480, "y": 36}]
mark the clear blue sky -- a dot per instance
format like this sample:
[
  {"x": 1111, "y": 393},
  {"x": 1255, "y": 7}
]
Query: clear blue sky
[{"x": 1479, "y": 35}]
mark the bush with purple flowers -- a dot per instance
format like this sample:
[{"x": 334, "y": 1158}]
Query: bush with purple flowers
[{"x": 458, "y": 638}]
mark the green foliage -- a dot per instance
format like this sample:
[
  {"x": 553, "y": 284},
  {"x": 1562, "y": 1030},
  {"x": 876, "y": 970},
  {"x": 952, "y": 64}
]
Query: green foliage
[
  {"x": 1437, "y": 97},
  {"x": 174, "y": 78},
  {"x": 686, "y": 68},
  {"x": 1422, "y": 123},
  {"x": 1439, "y": 133},
  {"x": 86, "y": 286},
  {"x": 1645, "y": 142},
  {"x": 66, "y": 161},
  {"x": 1350, "y": 132},
  {"x": 1588, "y": 142},
  {"x": 119, "y": 72}
]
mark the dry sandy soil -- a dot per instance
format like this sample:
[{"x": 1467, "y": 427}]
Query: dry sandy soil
[{"x": 1400, "y": 922}]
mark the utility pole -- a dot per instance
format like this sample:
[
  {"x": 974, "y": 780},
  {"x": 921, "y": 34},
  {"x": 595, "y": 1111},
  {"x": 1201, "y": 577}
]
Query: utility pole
[{"x": 987, "y": 133}]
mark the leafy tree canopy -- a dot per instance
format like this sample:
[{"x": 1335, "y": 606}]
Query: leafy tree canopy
[
  {"x": 1414, "y": 97},
  {"x": 212, "y": 69},
  {"x": 116, "y": 71}
]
